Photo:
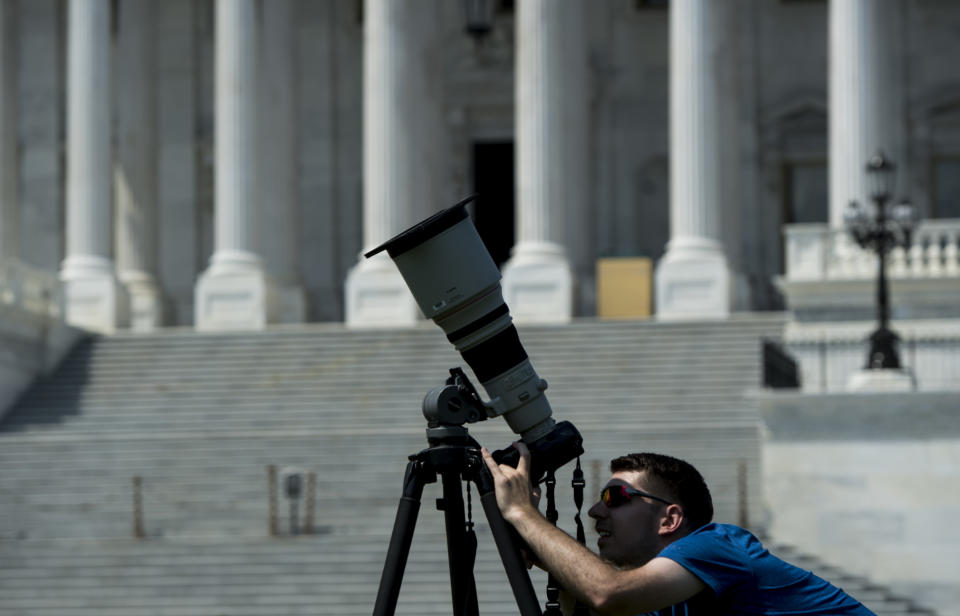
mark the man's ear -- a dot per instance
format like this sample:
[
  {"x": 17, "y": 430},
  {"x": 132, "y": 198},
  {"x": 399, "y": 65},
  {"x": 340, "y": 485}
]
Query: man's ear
[{"x": 672, "y": 520}]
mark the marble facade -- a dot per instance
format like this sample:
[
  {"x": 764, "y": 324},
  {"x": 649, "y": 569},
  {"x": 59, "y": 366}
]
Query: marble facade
[{"x": 239, "y": 176}]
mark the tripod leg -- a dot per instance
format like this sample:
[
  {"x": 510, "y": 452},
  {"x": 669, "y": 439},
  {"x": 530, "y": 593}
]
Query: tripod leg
[
  {"x": 508, "y": 545},
  {"x": 463, "y": 586},
  {"x": 400, "y": 540}
]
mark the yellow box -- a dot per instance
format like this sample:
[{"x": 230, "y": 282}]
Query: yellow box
[{"x": 624, "y": 288}]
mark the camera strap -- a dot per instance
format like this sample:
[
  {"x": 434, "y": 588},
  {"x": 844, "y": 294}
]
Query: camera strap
[
  {"x": 552, "y": 607},
  {"x": 578, "y": 484},
  {"x": 553, "y": 587}
]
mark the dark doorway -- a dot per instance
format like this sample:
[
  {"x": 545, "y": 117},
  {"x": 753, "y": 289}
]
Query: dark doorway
[{"x": 493, "y": 210}]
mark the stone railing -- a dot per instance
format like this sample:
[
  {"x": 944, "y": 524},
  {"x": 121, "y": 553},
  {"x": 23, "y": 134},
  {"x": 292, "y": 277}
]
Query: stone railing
[
  {"x": 817, "y": 252},
  {"x": 30, "y": 288},
  {"x": 828, "y": 354}
]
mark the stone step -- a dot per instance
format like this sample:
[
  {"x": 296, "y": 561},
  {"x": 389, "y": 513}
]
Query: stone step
[{"x": 200, "y": 416}]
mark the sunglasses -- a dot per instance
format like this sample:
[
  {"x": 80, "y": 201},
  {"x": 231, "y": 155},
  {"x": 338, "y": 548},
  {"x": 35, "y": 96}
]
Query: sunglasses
[{"x": 616, "y": 495}]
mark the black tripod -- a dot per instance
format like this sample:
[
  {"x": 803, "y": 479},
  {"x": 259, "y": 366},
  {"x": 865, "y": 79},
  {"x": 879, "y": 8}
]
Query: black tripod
[{"x": 453, "y": 455}]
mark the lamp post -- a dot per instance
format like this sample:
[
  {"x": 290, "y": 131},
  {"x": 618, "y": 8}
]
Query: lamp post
[
  {"x": 479, "y": 18},
  {"x": 881, "y": 231}
]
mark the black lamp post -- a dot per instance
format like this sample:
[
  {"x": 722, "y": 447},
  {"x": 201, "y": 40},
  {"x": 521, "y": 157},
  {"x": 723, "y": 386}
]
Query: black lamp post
[{"x": 881, "y": 230}]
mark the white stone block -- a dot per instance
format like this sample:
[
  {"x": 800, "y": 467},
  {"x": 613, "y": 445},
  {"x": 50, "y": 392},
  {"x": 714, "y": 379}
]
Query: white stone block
[
  {"x": 241, "y": 300},
  {"x": 146, "y": 308},
  {"x": 377, "y": 296},
  {"x": 882, "y": 380},
  {"x": 538, "y": 284},
  {"x": 693, "y": 283},
  {"x": 92, "y": 296}
]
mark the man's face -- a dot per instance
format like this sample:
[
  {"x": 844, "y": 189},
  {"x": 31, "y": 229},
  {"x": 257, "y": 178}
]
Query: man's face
[{"x": 629, "y": 532}]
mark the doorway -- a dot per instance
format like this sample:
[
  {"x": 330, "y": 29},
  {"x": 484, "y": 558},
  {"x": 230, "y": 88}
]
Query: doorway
[{"x": 493, "y": 211}]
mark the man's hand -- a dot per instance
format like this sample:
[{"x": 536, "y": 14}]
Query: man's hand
[{"x": 515, "y": 497}]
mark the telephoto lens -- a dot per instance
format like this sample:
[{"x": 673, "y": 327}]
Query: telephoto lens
[{"x": 456, "y": 284}]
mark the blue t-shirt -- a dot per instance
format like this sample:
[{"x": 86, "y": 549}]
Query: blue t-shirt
[{"x": 742, "y": 577}]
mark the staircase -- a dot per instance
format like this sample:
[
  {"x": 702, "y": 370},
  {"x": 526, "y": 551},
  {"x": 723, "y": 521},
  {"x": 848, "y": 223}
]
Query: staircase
[{"x": 199, "y": 418}]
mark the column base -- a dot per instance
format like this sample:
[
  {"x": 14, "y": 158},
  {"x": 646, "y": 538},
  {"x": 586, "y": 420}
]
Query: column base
[
  {"x": 377, "y": 296},
  {"x": 92, "y": 296},
  {"x": 882, "y": 380},
  {"x": 146, "y": 309},
  {"x": 233, "y": 294},
  {"x": 538, "y": 284},
  {"x": 693, "y": 281}
]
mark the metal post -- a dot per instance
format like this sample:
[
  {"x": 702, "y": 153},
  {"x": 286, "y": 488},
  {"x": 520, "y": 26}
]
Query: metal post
[
  {"x": 138, "y": 508},
  {"x": 883, "y": 350},
  {"x": 310, "y": 506},
  {"x": 743, "y": 512},
  {"x": 272, "y": 500}
]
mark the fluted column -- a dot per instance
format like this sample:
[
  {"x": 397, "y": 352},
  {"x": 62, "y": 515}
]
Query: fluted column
[
  {"x": 693, "y": 279},
  {"x": 92, "y": 296},
  {"x": 9, "y": 206},
  {"x": 865, "y": 98},
  {"x": 135, "y": 177},
  {"x": 403, "y": 149},
  {"x": 551, "y": 127},
  {"x": 279, "y": 217},
  {"x": 233, "y": 292}
]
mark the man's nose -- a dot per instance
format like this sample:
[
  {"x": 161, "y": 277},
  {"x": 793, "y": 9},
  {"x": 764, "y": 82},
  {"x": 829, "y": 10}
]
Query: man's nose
[{"x": 597, "y": 511}]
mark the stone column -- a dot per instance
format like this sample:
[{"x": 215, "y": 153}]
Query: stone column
[
  {"x": 403, "y": 146},
  {"x": 92, "y": 296},
  {"x": 551, "y": 127},
  {"x": 9, "y": 205},
  {"x": 279, "y": 219},
  {"x": 866, "y": 106},
  {"x": 135, "y": 177},
  {"x": 233, "y": 293},
  {"x": 693, "y": 279}
]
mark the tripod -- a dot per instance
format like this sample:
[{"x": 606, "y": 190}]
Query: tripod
[{"x": 453, "y": 454}]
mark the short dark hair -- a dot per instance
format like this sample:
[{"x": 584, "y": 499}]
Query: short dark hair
[{"x": 684, "y": 484}]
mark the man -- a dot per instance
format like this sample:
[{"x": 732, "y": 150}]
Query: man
[{"x": 659, "y": 551}]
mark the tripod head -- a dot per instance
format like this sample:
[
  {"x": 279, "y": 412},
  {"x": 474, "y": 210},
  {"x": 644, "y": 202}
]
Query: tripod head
[{"x": 456, "y": 403}]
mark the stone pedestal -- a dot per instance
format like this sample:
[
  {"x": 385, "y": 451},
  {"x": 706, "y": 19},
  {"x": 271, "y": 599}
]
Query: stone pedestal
[
  {"x": 234, "y": 295},
  {"x": 145, "y": 301},
  {"x": 868, "y": 381},
  {"x": 377, "y": 295},
  {"x": 92, "y": 296},
  {"x": 693, "y": 282},
  {"x": 538, "y": 284}
]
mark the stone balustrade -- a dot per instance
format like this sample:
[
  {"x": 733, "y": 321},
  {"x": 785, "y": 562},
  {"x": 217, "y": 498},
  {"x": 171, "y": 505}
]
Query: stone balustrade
[
  {"x": 29, "y": 288},
  {"x": 827, "y": 354},
  {"x": 818, "y": 252}
]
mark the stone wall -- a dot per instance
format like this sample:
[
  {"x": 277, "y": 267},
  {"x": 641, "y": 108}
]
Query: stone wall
[
  {"x": 31, "y": 344},
  {"x": 871, "y": 483}
]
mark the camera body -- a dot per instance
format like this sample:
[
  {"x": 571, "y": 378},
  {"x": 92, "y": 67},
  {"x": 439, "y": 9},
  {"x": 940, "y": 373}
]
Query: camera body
[{"x": 456, "y": 284}]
